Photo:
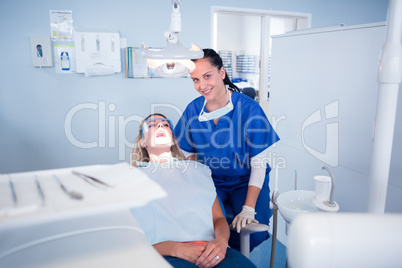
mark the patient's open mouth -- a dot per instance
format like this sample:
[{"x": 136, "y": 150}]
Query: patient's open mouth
[{"x": 160, "y": 134}]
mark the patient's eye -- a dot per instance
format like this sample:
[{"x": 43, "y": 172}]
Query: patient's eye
[{"x": 151, "y": 125}]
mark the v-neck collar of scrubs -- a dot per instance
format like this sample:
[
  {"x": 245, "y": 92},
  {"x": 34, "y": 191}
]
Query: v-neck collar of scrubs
[
  {"x": 217, "y": 113},
  {"x": 225, "y": 117}
]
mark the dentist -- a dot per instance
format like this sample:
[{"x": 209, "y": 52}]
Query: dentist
[{"x": 230, "y": 133}]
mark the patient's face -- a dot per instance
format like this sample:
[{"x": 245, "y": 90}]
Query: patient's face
[{"x": 157, "y": 133}]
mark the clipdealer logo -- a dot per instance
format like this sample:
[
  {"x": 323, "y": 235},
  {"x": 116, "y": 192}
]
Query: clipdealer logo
[
  {"x": 331, "y": 154},
  {"x": 112, "y": 128}
]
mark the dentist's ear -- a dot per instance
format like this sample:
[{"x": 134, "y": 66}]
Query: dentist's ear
[{"x": 222, "y": 72}]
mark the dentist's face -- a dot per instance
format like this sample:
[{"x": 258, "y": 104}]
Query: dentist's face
[
  {"x": 208, "y": 80},
  {"x": 157, "y": 134}
]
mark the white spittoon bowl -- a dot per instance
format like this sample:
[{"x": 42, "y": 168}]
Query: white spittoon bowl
[{"x": 293, "y": 203}]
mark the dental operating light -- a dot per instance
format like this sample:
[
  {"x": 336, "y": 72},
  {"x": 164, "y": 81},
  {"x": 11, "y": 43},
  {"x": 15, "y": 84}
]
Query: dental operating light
[{"x": 174, "y": 60}]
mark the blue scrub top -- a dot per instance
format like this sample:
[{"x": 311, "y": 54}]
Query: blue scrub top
[{"x": 227, "y": 147}]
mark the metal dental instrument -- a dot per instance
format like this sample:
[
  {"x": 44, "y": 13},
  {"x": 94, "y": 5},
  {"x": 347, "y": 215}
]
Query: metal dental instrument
[
  {"x": 40, "y": 191},
  {"x": 13, "y": 193},
  {"x": 71, "y": 194},
  {"x": 93, "y": 183},
  {"x": 86, "y": 177}
]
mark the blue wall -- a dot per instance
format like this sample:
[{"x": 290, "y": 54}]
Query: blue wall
[{"x": 34, "y": 102}]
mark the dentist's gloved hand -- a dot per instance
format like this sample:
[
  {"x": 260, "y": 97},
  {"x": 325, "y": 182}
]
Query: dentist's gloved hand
[{"x": 246, "y": 216}]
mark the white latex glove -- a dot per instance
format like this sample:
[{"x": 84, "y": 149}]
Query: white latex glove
[{"x": 246, "y": 216}]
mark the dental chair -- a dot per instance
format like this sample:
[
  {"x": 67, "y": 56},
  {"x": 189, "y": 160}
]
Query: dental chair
[
  {"x": 256, "y": 227},
  {"x": 245, "y": 232},
  {"x": 245, "y": 236}
]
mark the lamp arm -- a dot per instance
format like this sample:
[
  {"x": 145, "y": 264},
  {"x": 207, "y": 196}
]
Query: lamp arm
[
  {"x": 176, "y": 3},
  {"x": 175, "y": 23}
]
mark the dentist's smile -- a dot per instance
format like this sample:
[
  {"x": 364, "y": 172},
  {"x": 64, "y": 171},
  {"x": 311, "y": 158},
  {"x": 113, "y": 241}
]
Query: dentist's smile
[{"x": 207, "y": 91}]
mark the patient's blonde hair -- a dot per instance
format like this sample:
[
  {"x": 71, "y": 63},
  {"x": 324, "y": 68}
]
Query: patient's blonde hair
[{"x": 140, "y": 154}]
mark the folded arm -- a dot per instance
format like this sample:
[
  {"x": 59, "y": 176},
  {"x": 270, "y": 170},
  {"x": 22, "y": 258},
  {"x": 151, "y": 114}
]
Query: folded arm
[
  {"x": 202, "y": 255},
  {"x": 185, "y": 251}
]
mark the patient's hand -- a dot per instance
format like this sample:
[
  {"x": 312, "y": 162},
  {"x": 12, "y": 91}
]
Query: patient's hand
[
  {"x": 189, "y": 252},
  {"x": 214, "y": 253}
]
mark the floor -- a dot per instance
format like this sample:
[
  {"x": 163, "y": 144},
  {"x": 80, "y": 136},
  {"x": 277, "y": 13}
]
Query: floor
[{"x": 261, "y": 255}]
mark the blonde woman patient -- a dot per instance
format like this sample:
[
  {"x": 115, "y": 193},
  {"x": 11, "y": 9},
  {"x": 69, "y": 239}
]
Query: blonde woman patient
[{"x": 187, "y": 227}]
